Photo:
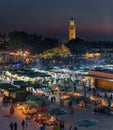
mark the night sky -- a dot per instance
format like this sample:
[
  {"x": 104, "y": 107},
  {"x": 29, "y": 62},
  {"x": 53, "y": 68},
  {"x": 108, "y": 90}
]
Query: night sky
[{"x": 50, "y": 18}]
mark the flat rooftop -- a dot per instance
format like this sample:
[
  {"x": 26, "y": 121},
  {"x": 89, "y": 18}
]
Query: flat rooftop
[{"x": 105, "y": 73}]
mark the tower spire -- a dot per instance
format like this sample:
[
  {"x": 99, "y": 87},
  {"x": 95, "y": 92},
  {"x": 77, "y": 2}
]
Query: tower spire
[{"x": 72, "y": 29}]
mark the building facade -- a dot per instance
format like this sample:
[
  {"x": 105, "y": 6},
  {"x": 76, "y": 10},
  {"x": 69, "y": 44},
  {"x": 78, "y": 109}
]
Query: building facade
[{"x": 101, "y": 79}]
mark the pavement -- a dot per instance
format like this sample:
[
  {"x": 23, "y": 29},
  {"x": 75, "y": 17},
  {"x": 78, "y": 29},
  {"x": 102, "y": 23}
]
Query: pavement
[{"x": 104, "y": 120}]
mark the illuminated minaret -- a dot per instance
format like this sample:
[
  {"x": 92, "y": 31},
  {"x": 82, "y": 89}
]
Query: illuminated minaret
[{"x": 72, "y": 29}]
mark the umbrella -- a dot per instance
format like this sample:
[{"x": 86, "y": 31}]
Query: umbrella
[
  {"x": 34, "y": 98},
  {"x": 57, "y": 111},
  {"x": 39, "y": 102},
  {"x": 86, "y": 123},
  {"x": 32, "y": 104},
  {"x": 44, "y": 102}
]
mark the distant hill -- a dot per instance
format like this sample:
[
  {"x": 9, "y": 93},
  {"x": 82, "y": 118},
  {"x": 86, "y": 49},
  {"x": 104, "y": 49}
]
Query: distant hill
[
  {"x": 37, "y": 44},
  {"x": 32, "y": 42},
  {"x": 77, "y": 46}
]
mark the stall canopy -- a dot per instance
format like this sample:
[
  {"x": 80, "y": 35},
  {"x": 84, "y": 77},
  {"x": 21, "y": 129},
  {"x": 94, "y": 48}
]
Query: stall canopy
[
  {"x": 83, "y": 98},
  {"x": 44, "y": 102},
  {"x": 34, "y": 98},
  {"x": 38, "y": 100},
  {"x": 86, "y": 123},
  {"x": 18, "y": 82},
  {"x": 57, "y": 111}
]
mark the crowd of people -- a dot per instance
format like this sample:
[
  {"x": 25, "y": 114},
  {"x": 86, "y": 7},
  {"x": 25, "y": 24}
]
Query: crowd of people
[
  {"x": 24, "y": 123},
  {"x": 13, "y": 126}
]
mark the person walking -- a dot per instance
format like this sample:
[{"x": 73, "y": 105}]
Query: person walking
[
  {"x": 15, "y": 126},
  {"x": 26, "y": 121},
  {"x": 71, "y": 128},
  {"x": 44, "y": 125},
  {"x": 62, "y": 126},
  {"x": 72, "y": 110},
  {"x": 70, "y": 104},
  {"x": 54, "y": 99},
  {"x": 23, "y": 124},
  {"x": 42, "y": 128},
  {"x": 75, "y": 128},
  {"x": 11, "y": 125}
]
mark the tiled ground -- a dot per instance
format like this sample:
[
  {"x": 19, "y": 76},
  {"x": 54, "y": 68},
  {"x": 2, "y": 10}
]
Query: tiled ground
[{"x": 105, "y": 121}]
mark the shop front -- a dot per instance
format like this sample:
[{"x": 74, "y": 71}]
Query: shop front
[{"x": 101, "y": 79}]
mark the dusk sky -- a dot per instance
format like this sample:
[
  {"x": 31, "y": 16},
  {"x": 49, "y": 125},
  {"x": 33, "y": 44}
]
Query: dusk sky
[{"x": 93, "y": 18}]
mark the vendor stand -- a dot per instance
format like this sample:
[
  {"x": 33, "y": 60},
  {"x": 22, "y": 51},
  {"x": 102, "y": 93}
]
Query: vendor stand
[
  {"x": 26, "y": 109},
  {"x": 45, "y": 119}
]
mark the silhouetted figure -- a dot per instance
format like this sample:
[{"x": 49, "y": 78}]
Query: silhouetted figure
[
  {"x": 105, "y": 95},
  {"x": 51, "y": 99},
  {"x": 44, "y": 125},
  {"x": 54, "y": 99},
  {"x": 15, "y": 126},
  {"x": 70, "y": 103},
  {"x": 75, "y": 128},
  {"x": 42, "y": 128},
  {"x": 23, "y": 124},
  {"x": 111, "y": 96},
  {"x": 71, "y": 128},
  {"x": 62, "y": 126},
  {"x": 26, "y": 121},
  {"x": 11, "y": 125},
  {"x": 72, "y": 110}
]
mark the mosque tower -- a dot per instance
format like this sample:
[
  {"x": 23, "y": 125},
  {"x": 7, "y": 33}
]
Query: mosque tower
[{"x": 72, "y": 29}]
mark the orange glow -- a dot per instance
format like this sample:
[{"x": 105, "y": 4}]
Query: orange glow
[
  {"x": 91, "y": 55},
  {"x": 20, "y": 53},
  {"x": 26, "y": 52}
]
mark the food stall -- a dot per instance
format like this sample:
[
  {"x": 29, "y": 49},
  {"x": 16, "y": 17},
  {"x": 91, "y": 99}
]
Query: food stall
[
  {"x": 44, "y": 118},
  {"x": 26, "y": 109}
]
